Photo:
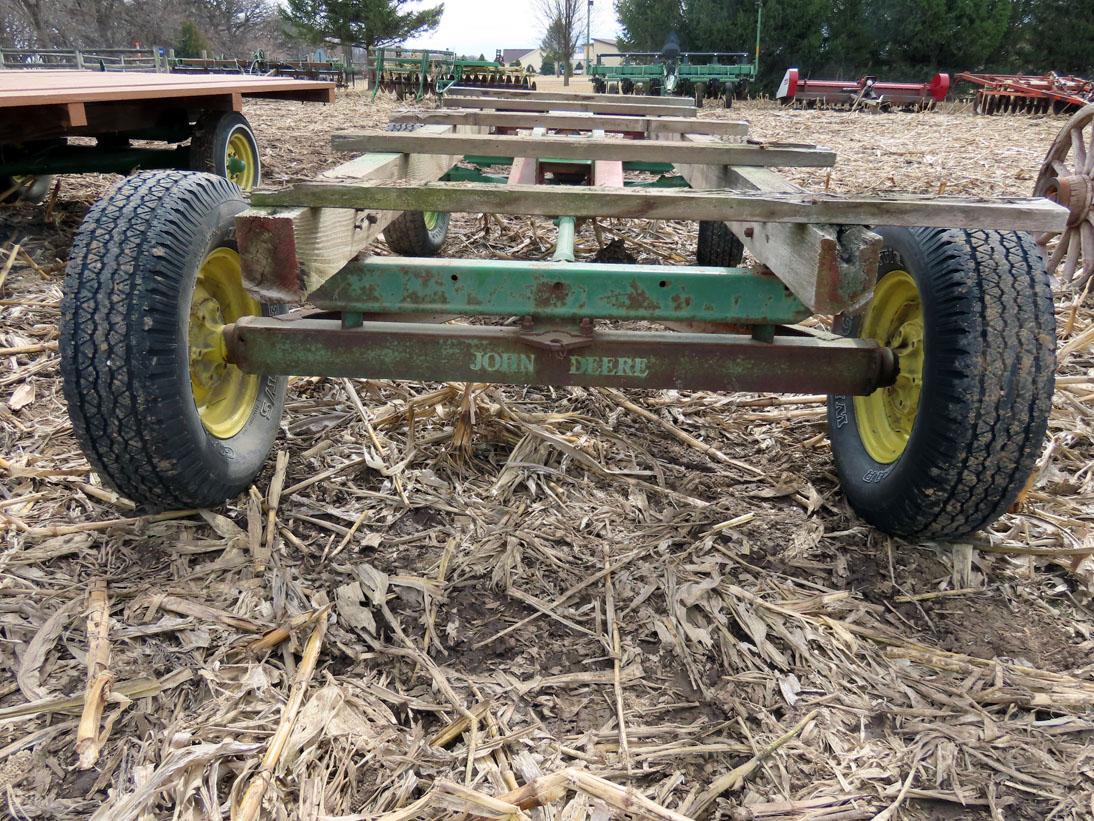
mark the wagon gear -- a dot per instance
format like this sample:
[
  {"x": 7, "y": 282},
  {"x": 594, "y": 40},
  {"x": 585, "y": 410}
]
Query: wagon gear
[{"x": 929, "y": 440}]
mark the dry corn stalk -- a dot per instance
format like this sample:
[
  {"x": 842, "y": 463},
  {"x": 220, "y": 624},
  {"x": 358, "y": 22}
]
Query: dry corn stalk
[
  {"x": 250, "y": 806},
  {"x": 99, "y": 676}
]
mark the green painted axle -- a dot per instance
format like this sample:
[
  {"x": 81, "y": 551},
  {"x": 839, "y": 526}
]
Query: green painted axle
[
  {"x": 552, "y": 356},
  {"x": 560, "y": 290}
]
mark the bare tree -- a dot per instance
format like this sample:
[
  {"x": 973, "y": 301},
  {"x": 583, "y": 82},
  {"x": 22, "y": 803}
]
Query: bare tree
[{"x": 562, "y": 31}]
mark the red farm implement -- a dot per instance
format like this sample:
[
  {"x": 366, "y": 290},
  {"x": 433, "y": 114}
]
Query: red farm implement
[
  {"x": 868, "y": 92},
  {"x": 1026, "y": 94}
]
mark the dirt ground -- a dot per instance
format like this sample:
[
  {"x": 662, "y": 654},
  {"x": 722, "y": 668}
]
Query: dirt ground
[{"x": 499, "y": 584}]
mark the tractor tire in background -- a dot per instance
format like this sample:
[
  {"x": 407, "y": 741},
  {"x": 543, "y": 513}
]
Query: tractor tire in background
[
  {"x": 416, "y": 233},
  {"x": 152, "y": 278},
  {"x": 949, "y": 446},
  {"x": 224, "y": 144},
  {"x": 718, "y": 245},
  {"x": 700, "y": 94}
]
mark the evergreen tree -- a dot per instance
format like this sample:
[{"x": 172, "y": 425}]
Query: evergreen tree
[
  {"x": 367, "y": 23},
  {"x": 191, "y": 42}
]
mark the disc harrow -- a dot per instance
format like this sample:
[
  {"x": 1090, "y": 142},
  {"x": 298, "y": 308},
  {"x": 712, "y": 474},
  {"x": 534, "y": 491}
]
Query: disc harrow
[
  {"x": 418, "y": 74},
  {"x": 1029, "y": 94}
]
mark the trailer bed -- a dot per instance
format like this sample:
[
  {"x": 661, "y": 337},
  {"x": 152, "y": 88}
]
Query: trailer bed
[{"x": 48, "y": 104}]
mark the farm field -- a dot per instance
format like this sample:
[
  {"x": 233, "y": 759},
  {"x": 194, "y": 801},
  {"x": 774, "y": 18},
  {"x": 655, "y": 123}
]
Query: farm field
[{"x": 652, "y": 588}]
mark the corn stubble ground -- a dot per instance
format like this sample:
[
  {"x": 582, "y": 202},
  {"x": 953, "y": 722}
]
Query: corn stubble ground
[{"x": 486, "y": 588}]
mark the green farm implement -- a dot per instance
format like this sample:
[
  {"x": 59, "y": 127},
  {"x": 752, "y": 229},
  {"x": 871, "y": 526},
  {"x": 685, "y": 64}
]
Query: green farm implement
[
  {"x": 418, "y": 73},
  {"x": 724, "y": 75},
  {"x": 938, "y": 363}
]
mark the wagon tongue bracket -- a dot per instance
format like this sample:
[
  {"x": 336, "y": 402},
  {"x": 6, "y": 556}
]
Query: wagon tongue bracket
[{"x": 559, "y": 340}]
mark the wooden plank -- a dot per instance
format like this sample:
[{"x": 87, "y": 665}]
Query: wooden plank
[
  {"x": 567, "y": 148},
  {"x": 27, "y": 88},
  {"x": 831, "y": 270},
  {"x": 75, "y": 115},
  {"x": 287, "y": 253},
  {"x": 576, "y": 121},
  {"x": 639, "y": 109},
  {"x": 564, "y": 96},
  {"x": 759, "y": 206},
  {"x": 525, "y": 170}
]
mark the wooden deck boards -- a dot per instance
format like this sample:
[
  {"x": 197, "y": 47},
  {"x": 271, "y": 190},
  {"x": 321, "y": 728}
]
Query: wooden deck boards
[{"x": 20, "y": 89}]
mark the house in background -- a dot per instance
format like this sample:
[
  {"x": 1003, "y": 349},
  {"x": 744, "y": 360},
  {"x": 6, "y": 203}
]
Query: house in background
[{"x": 534, "y": 57}]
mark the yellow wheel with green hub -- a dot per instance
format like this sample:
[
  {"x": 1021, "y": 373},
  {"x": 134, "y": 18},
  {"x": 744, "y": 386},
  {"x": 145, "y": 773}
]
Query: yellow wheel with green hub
[
  {"x": 894, "y": 318},
  {"x": 225, "y": 396},
  {"x": 947, "y": 446},
  {"x": 224, "y": 144},
  {"x": 161, "y": 413}
]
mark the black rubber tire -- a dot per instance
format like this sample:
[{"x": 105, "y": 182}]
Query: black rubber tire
[
  {"x": 407, "y": 234},
  {"x": 988, "y": 377},
  {"x": 700, "y": 94},
  {"x": 718, "y": 245},
  {"x": 124, "y": 344},
  {"x": 209, "y": 143}
]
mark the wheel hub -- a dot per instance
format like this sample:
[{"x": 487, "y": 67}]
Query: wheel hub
[
  {"x": 894, "y": 319},
  {"x": 1076, "y": 193},
  {"x": 240, "y": 161},
  {"x": 224, "y": 395}
]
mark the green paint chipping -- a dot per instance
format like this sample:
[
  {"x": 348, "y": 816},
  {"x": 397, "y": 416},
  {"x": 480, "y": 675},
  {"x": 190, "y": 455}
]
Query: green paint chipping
[{"x": 571, "y": 290}]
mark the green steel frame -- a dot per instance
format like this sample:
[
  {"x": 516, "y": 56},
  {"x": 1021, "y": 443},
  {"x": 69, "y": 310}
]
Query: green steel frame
[{"x": 737, "y": 321}]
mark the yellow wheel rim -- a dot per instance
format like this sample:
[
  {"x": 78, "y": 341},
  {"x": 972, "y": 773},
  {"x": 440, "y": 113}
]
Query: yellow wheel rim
[
  {"x": 240, "y": 161},
  {"x": 894, "y": 318},
  {"x": 430, "y": 218},
  {"x": 224, "y": 395}
]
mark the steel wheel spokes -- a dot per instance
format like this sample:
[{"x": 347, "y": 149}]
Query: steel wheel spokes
[{"x": 1067, "y": 177}]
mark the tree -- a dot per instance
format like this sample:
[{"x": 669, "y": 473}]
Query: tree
[
  {"x": 562, "y": 31},
  {"x": 548, "y": 68},
  {"x": 191, "y": 42},
  {"x": 646, "y": 23},
  {"x": 368, "y": 23}
]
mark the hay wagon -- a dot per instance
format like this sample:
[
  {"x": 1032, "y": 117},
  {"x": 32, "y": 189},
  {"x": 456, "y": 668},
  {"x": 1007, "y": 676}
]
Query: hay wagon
[
  {"x": 41, "y": 109},
  {"x": 186, "y": 309}
]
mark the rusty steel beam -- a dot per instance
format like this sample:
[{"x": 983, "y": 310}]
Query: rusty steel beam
[{"x": 530, "y": 356}]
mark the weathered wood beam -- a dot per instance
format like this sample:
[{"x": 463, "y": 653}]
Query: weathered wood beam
[
  {"x": 760, "y": 205},
  {"x": 649, "y": 126},
  {"x": 640, "y": 109},
  {"x": 567, "y": 148},
  {"x": 563, "y": 96},
  {"x": 287, "y": 253},
  {"x": 831, "y": 268}
]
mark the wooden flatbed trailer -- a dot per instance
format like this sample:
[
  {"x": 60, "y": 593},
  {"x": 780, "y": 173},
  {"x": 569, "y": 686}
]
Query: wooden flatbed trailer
[
  {"x": 939, "y": 363},
  {"x": 39, "y": 110}
]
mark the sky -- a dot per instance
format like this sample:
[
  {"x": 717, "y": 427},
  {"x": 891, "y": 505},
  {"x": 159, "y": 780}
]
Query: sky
[{"x": 483, "y": 26}]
